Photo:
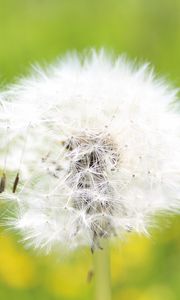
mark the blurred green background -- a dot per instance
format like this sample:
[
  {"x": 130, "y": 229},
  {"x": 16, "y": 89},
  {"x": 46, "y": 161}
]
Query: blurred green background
[{"x": 39, "y": 31}]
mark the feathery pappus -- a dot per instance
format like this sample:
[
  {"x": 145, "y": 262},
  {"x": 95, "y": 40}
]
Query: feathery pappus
[{"x": 92, "y": 148}]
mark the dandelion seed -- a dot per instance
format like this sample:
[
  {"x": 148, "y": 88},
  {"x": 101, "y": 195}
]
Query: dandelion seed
[
  {"x": 16, "y": 181},
  {"x": 103, "y": 151},
  {"x": 3, "y": 183}
]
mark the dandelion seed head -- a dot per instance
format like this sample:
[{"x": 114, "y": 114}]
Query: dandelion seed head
[{"x": 96, "y": 145}]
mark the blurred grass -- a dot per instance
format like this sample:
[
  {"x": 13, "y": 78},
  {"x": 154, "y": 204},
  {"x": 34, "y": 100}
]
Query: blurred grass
[{"x": 39, "y": 31}]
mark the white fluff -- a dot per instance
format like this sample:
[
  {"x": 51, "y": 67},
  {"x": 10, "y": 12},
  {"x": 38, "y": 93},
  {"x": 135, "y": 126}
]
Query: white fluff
[{"x": 96, "y": 142}]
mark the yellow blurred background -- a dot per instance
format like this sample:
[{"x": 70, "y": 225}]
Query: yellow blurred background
[{"x": 39, "y": 31}]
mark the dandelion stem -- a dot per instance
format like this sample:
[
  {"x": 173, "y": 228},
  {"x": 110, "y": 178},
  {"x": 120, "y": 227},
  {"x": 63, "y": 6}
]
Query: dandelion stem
[{"x": 102, "y": 288}]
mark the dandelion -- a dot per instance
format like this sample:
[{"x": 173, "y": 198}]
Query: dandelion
[{"x": 92, "y": 150}]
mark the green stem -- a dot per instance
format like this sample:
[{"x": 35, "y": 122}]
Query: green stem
[{"x": 102, "y": 289}]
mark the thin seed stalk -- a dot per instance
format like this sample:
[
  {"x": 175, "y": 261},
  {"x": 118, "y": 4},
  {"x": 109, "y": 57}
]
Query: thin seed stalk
[{"x": 102, "y": 286}]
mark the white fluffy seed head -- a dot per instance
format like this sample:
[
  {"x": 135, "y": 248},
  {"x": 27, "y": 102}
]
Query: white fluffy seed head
[{"x": 96, "y": 146}]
